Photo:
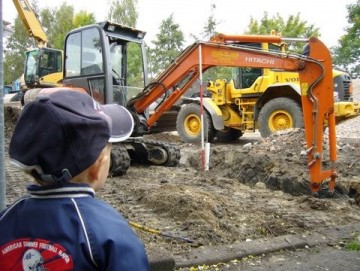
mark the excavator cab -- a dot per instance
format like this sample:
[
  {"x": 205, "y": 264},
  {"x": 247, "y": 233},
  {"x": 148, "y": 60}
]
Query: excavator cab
[
  {"x": 43, "y": 67},
  {"x": 107, "y": 60}
]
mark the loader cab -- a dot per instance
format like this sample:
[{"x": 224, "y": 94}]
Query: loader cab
[
  {"x": 244, "y": 77},
  {"x": 43, "y": 67},
  {"x": 106, "y": 59}
]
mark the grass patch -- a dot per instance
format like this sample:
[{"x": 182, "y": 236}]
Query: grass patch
[{"x": 354, "y": 244}]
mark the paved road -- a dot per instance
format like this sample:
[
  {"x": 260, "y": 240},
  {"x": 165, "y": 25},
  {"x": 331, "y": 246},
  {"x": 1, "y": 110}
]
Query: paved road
[
  {"x": 332, "y": 258},
  {"x": 320, "y": 250}
]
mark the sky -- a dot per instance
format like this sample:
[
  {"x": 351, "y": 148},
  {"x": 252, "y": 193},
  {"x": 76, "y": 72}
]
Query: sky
[{"x": 233, "y": 16}]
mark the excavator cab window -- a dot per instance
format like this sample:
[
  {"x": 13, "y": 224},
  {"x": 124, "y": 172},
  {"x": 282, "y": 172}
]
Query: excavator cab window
[
  {"x": 127, "y": 72},
  {"x": 84, "y": 64},
  {"x": 117, "y": 57},
  {"x": 30, "y": 73},
  {"x": 83, "y": 55},
  {"x": 41, "y": 62},
  {"x": 108, "y": 60},
  {"x": 50, "y": 62}
]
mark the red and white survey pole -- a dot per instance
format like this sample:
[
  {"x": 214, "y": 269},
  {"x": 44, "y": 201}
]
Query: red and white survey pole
[{"x": 205, "y": 146}]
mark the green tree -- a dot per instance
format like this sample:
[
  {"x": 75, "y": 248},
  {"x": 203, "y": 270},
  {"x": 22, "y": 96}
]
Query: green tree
[
  {"x": 347, "y": 54},
  {"x": 293, "y": 27},
  {"x": 15, "y": 48},
  {"x": 123, "y": 12},
  {"x": 57, "y": 22},
  {"x": 17, "y": 44},
  {"x": 209, "y": 29},
  {"x": 83, "y": 18},
  {"x": 168, "y": 44}
]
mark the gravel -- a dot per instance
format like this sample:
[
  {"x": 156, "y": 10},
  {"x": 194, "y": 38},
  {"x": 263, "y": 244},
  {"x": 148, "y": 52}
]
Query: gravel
[{"x": 349, "y": 130}]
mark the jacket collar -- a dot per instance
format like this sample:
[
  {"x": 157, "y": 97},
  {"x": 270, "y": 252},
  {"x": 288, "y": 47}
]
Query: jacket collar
[{"x": 67, "y": 190}]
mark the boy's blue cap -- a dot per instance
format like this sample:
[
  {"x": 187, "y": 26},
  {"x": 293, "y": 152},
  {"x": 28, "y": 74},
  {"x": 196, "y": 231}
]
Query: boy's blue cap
[{"x": 61, "y": 134}]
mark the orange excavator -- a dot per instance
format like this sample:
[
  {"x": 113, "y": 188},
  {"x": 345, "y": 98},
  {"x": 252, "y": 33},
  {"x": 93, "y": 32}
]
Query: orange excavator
[{"x": 100, "y": 59}]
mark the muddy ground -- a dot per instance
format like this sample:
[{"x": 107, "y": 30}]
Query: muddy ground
[{"x": 254, "y": 188}]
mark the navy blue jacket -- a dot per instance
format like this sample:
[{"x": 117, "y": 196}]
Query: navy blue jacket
[{"x": 67, "y": 228}]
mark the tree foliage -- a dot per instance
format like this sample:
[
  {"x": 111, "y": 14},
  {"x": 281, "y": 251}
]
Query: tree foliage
[
  {"x": 347, "y": 55},
  {"x": 83, "y": 18},
  {"x": 123, "y": 12},
  {"x": 292, "y": 27},
  {"x": 209, "y": 29},
  {"x": 15, "y": 48},
  {"x": 57, "y": 22},
  {"x": 168, "y": 45}
]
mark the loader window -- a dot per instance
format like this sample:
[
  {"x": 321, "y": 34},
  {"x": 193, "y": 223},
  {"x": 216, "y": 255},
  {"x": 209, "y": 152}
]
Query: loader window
[
  {"x": 275, "y": 47},
  {"x": 244, "y": 77}
]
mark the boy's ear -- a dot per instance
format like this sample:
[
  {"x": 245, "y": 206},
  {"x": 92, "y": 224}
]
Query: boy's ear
[{"x": 95, "y": 169}]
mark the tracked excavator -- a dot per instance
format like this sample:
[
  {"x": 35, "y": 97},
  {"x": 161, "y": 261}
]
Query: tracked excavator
[
  {"x": 98, "y": 57},
  {"x": 43, "y": 65}
]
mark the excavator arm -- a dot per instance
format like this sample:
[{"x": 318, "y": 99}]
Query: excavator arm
[
  {"x": 318, "y": 108},
  {"x": 31, "y": 22},
  {"x": 315, "y": 71}
]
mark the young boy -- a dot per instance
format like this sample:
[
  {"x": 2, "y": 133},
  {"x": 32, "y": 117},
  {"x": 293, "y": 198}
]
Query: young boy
[{"x": 63, "y": 140}]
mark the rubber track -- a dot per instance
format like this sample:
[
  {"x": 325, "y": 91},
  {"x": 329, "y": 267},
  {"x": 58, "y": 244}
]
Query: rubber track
[{"x": 172, "y": 150}]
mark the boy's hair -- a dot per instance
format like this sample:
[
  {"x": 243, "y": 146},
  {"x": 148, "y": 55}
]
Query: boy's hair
[{"x": 59, "y": 135}]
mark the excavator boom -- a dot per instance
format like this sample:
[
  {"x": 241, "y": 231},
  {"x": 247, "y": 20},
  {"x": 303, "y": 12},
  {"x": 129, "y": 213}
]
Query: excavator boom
[{"x": 31, "y": 22}]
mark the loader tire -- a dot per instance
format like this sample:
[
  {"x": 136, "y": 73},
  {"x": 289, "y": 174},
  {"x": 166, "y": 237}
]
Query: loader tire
[
  {"x": 279, "y": 114},
  {"x": 188, "y": 124},
  {"x": 228, "y": 134}
]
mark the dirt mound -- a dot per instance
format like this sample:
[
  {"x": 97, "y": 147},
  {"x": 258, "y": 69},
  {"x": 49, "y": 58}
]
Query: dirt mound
[
  {"x": 11, "y": 114},
  {"x": 279, "y": 161}
]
